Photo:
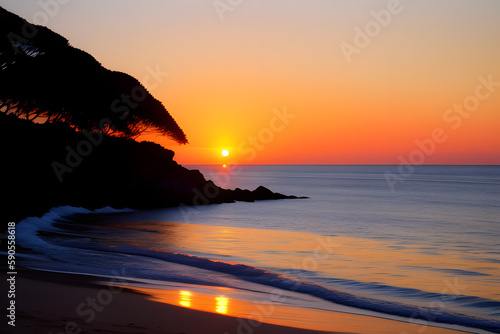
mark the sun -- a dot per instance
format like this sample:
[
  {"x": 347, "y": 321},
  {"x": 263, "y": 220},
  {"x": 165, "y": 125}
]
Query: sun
[{"x": 225, "y": 153}]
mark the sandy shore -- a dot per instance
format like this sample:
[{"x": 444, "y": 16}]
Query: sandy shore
[{"x": 63, "y": 303}]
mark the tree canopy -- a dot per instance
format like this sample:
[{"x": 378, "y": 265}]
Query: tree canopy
[{"x": 43, "y": 76}]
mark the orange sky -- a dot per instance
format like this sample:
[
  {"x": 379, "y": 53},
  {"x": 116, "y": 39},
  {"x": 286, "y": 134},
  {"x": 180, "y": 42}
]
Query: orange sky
[{"x": 229, "y": 79}]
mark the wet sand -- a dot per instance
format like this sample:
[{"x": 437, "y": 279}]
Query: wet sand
[{"x": 57, "y": 303}]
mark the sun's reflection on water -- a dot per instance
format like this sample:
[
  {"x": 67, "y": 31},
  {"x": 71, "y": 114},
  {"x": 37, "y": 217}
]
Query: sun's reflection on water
[
  {"x": 222, "y": 305},
  {"x": 214, "y": 304},
  {"x": 185, "y": 298},
  {"x": 280, "y": 315}
]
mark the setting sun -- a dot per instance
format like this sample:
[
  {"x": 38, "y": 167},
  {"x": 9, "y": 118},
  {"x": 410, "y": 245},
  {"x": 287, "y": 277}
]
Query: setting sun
[{"x": 285, "y": 166}]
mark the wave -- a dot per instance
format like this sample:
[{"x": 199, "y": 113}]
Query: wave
[
  {"x": 277, "y": 280},
  {"x": 28, "y": 236},
  {"x": 32, "y": 225},
  {"x": 458, "y": 300}
]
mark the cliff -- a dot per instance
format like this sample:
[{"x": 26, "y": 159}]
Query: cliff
[
  {"x": 49, "y": 165},
  {"x": 43, "y": 77}
]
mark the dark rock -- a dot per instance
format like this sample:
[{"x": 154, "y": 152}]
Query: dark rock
[{"x": 116, "y": 172}]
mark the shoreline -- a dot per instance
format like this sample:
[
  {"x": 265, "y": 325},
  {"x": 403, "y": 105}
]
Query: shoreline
[{"x": 50, "y": 302}]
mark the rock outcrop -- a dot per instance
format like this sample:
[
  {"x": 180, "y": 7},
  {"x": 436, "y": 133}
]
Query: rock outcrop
[{"x": 50, "y": 165}]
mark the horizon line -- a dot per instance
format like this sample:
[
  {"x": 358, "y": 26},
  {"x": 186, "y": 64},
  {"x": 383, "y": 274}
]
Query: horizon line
[{"x": 342, "y": 164}]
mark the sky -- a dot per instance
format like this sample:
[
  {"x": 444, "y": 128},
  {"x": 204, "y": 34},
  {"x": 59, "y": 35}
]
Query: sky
[{"x": 304, "y": 81}]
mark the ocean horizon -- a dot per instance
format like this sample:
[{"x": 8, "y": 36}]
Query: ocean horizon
[{"x": 161, "y": 176}]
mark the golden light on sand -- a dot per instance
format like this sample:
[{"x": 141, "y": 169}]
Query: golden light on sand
[
  {"x": 225, "y": 153},
  {"x": 185, "y": 298},
  {"x": 222, "y": 305}
]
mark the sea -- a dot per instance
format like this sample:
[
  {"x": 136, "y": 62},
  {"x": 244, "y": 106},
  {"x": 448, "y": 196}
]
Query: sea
[{"x": 424, "y": 250}]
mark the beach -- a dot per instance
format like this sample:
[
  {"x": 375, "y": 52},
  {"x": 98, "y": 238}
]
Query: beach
[
  {"x": 327, "y": 187},
  {"x": 48, "y": 302},
  {"x": 352, "y": 259}
]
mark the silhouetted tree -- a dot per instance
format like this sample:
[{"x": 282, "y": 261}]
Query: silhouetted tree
[{"x": 42, "y": 76}]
